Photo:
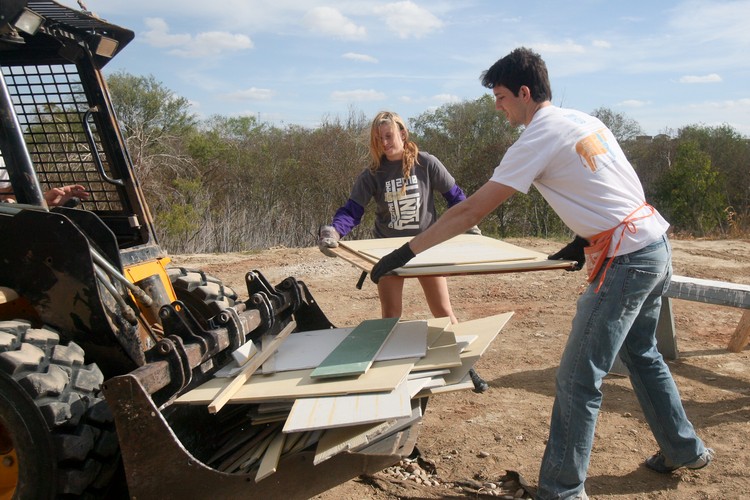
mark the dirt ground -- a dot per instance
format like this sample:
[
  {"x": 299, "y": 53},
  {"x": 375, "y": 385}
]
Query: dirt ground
[{"x": 480, "y": 436}]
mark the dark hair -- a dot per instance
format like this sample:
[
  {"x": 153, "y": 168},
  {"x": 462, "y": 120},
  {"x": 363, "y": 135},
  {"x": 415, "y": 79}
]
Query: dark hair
[{"x": 521, "y": 67}]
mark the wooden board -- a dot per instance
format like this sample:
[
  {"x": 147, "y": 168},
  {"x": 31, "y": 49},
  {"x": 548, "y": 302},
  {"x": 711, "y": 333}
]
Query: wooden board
[
  {"x": 355, "y": 437},
  {"x": 355, "y": 354},
  {"x": 270, "y": 460},
  {"x": 446, "y": 337},
  {"x": 709, "y": 291},
  {"x": 462, "y": 385},
  {"x": 303, "y": 350},
  {"x": 335, "y": 441},
  {"x": 338, "y": 411},
  {"x": 461, "y": 249},
  {"x": 485, "y": 329},
  {"x": 445, "y": 356},
  {"x": 382, "y": 376},
  {"x": 408, "y": 340},
  {"x": 463, "y": 254},
  {"x": 248, "y": 369}
]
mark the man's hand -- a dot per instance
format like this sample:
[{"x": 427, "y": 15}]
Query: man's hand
[
  {"x": 328, "y": 237},
  {"x": 573, "y": 251},
  {"x": 60, "y": 195},
  {"x": 393, "y": 260}
]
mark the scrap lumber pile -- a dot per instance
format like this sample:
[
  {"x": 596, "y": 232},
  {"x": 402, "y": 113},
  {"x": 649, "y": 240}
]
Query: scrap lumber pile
[{"x": 336, "y": 390}]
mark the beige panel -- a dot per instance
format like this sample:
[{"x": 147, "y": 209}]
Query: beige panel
[
  {"x": 382, "y": 376},
  {"x": 463, "y": 254}
]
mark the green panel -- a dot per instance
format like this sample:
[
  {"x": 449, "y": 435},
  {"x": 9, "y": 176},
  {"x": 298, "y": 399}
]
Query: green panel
[{"x": 354, "y": 355}]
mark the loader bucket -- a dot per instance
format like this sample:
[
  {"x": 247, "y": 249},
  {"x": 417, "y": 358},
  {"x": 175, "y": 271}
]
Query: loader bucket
[{"x": 158, "y": 464}]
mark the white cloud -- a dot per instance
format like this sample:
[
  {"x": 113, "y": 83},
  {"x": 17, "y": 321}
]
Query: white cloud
[
  {"x": 568, "y": 46},
  {"x": 408, "y": 19},
  {"x": 329, "y": 21},
  {"x": 730, "y": 104},
  {"x": 359, "y": 57},
  {"x": 712, "y": 78},
  {"x": 633, "y": 103},
  {"x": 158, "y": 34},
  {"x": 251, "y": 94},
  {"x": 707, "y": 20},
  {"x": 208, "y": 43},
  {"x": 601, "y": 44},
  {"x": 733, "y": 112},
  {"x": 357, "y": 95},
  {"x": 446, "y": 98}
]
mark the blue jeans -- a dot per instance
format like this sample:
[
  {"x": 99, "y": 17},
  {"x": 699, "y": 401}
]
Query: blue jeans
[{"x": 621, "y": 317}]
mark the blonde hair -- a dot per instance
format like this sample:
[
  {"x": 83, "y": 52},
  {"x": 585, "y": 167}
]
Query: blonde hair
[{"x": 377, "y": 152}]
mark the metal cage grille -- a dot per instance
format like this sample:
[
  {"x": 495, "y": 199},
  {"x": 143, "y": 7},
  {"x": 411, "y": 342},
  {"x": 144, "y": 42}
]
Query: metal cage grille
[{"x": 51, "y": 105}]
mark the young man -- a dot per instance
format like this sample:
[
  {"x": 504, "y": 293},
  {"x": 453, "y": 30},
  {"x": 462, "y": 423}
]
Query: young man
[{"x": 577, "y": 165}]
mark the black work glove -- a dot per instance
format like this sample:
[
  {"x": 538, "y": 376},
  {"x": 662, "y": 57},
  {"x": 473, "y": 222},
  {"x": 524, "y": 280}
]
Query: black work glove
[
  {"x": 393, "y": 260},
  {"x": 573, "y": 251}
]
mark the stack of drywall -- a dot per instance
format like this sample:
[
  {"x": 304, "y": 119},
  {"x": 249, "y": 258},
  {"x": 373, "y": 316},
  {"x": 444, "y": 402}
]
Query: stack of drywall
[{"x": 343, "y": 389}]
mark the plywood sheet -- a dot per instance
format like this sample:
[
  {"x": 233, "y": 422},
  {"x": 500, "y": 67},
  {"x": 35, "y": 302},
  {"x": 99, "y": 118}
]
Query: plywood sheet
[
  {"x": 485, "y": 329},
  {"x": 335, "y": 441},
  {"x": 408, "y": 340},
  {"x": 355, "y": 354},
  {"x": 338, "y": 411},
  {"x": 303, "y": 350},
  {"x": 356, "y": 437},
  {"x": 446, "y": 356},
  {"x": 463, "y": 254},
  {"x": 270, "y": 460},
  {"x": 446, "y": 337},
  {"x": 461, "y": 249},
  {"x": 382, "y": 376},
  {"x": 464, "y": 384}
]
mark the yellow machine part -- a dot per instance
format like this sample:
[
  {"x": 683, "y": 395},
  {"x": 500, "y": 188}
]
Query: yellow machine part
[
  {"x": 146, "y": 270},
  {"x": 8, "y": 466}
]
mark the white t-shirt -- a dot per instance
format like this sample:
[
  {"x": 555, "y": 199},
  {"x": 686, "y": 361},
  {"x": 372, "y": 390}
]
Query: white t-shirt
[{"x": 577, "y": 165}]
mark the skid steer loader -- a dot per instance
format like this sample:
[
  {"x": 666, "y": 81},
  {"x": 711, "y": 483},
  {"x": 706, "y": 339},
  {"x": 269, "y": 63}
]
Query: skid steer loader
[{"x": 98, "y": 332}]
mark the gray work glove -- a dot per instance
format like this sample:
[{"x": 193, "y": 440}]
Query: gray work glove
[
  {"x": 328, "y": 238},
  {"x": 474, "y": 230},
  {"x": 393, "y": 260}
]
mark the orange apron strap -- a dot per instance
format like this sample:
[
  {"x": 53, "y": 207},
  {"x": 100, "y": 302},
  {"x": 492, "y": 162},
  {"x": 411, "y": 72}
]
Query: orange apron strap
[{"x": 596, "y": 252}]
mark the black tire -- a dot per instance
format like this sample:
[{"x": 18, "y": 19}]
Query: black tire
[
  {"x": 204, "y": 295},
  {"x": 58, "y": 431}
]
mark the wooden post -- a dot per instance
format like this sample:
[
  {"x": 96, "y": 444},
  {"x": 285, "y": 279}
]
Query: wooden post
[
  {"x": 666, "y": 340},
  {"x": 742, "y": 334}
]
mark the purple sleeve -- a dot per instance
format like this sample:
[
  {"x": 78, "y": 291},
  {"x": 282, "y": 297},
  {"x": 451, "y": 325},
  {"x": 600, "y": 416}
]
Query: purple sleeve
[
  {"x": 454, "y": 195},
  {"x": 347, "y": 217}
]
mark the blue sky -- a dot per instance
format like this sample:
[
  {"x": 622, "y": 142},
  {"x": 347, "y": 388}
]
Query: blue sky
[{"x": 665, "y": 64}]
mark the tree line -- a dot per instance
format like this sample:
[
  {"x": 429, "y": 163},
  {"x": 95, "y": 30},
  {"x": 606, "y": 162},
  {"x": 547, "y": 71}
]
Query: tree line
[{"x": 234, "y": 183}]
